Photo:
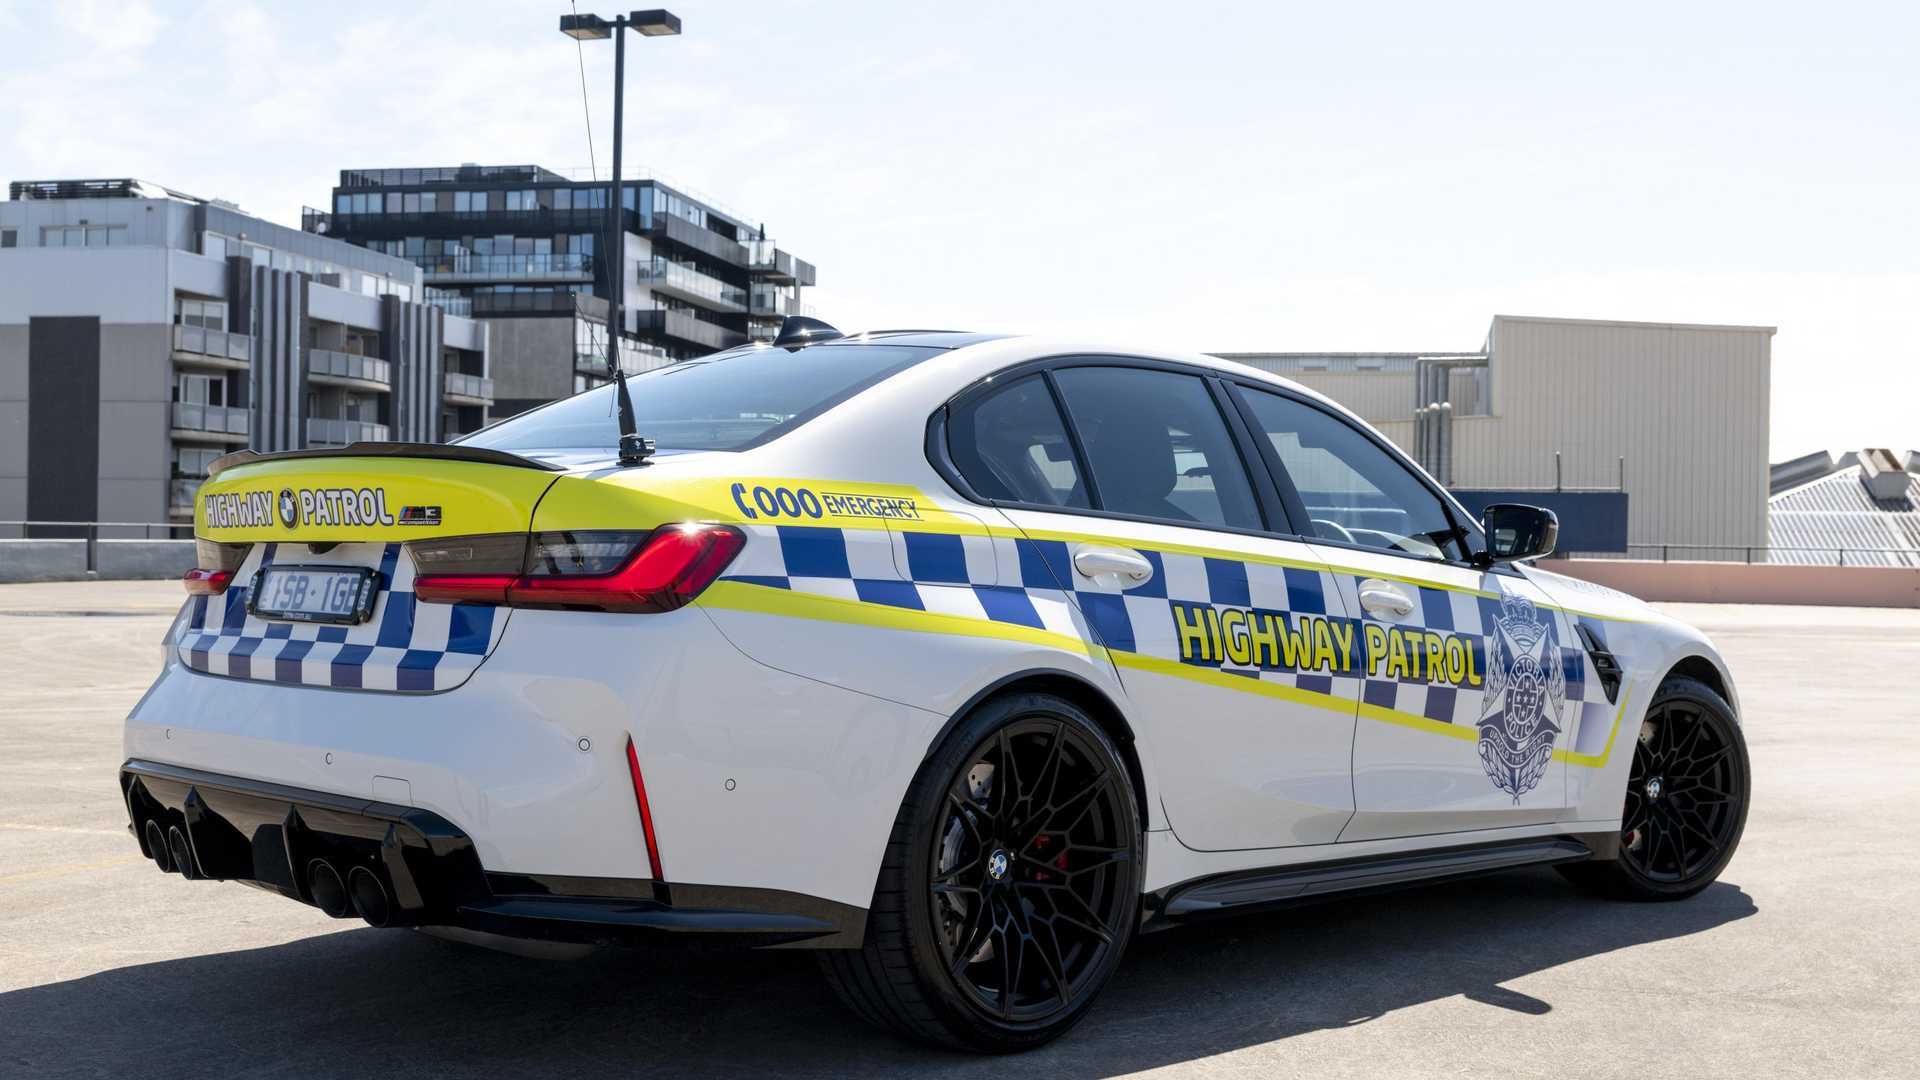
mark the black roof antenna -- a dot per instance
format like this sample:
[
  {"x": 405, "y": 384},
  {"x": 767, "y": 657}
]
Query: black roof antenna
[{"x": 797, "y": 331}]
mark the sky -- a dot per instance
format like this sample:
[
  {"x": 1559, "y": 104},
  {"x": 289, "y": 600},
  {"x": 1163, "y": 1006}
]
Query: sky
[{"x": 1210, "y": 176}]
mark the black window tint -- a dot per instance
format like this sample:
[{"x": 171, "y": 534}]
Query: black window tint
[
  {"x": 725, "y": 402},
  {"x": 1011, "y": 444},
  {"x": 1354, "y": 491},
  {"x": 1157, "y": 446}
]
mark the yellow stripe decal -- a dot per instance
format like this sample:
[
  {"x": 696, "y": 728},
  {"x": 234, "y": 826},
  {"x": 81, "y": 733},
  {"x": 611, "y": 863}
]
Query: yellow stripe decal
[
  {"x": 1596, "y": 761},
  {"x": 770, "y": 600}
]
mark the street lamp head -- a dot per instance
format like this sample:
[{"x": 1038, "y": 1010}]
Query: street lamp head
[
  {"x": 655, "y": 22},
  {"x": 585, "y": 27}
]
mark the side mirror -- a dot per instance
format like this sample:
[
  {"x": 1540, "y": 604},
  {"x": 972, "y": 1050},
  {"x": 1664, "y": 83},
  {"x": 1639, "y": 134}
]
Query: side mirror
[{"x": 1517, "y": 532}]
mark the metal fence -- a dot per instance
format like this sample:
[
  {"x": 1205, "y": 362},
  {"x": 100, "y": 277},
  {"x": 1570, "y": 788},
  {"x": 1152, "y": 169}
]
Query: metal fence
[
  {"x": 1760, "y": 554},
  {"x": 95, "y": 531}
]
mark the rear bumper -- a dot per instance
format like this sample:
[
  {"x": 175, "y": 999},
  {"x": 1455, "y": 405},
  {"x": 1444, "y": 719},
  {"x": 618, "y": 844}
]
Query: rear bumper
[{"x": 270, "y": 835}]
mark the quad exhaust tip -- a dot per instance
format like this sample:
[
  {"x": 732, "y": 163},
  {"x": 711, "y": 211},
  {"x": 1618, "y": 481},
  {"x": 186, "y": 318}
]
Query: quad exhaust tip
[
  {"x": 157, "y": 846},
  {"x": 370, "y": 898},
  {"x": 182, "y": 854},
  {"x": 328, "y": 891}
]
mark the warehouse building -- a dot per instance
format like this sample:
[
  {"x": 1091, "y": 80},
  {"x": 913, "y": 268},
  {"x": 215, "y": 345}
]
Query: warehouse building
[
  {"x": 145, "y": 332},
  {"x": 1637, "y": 434}
]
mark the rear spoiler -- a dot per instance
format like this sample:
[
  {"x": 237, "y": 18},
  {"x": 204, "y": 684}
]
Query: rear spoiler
[{"x": 430, "y": 451}]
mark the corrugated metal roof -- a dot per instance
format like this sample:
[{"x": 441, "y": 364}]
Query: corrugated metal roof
[{"x": 1807, "y": 525}]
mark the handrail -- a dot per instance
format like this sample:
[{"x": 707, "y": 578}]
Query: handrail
[
  {"x": 92, "y": 533},
  {"x": 1757, "y": 553}
]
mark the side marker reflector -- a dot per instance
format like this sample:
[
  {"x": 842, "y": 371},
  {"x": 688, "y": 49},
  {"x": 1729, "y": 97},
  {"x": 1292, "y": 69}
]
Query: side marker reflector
[{"x": 646, "y": 814}]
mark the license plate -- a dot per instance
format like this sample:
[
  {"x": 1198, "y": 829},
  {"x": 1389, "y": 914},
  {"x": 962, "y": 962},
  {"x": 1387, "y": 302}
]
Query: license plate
[{"x": 329, "y": 594}]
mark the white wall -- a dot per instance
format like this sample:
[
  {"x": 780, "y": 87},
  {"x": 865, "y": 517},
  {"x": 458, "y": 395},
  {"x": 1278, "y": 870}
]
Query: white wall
[{"x": 1686, "y": 406}]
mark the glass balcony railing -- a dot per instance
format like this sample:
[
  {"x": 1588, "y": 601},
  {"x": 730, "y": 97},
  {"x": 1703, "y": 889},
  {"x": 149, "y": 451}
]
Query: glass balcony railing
[
  {"x": 220, "y": 344},
  {"x": 766, "y": 302},
  {"x": 464, "y": 385},
  {"x": 182, "y": 493},
  {"x": 325, "y": 432},
  {"x": 217, "y": 419},
  {"x": 470, "y": 266},
  {"x": 342, "y": 365},
  {"x": 691, "y": 283},
  {"x": 451, "y": 302}
]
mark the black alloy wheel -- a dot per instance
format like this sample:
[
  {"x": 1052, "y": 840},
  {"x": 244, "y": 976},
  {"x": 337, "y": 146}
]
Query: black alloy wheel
[
  {"x": 1017, "y": 858},
  {"x": 1686, "y": 798}
]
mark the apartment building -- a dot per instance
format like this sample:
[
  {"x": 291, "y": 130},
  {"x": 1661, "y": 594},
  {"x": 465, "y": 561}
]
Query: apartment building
[
  {"x": 145, "y": 332},
  {"x": 528, "y": 250}
]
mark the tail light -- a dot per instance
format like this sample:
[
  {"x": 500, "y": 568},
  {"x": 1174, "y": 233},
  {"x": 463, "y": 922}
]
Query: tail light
[
  {"x": 201, "y": 582},
  {"x": 214, "y": 566},
  {"x": 601, "y": 570}
]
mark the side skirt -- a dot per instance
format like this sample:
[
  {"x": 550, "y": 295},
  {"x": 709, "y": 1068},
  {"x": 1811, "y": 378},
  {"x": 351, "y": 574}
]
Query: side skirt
[{"x": 1260, "y": 890}]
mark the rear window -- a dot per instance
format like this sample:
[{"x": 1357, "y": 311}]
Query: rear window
[{"x": 728, "y": 402}]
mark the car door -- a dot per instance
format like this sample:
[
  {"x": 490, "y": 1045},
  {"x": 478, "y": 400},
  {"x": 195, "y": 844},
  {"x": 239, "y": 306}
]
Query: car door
[
  {"x": 1464, "y": 712},
  {"x": 1131, "y": 488}
]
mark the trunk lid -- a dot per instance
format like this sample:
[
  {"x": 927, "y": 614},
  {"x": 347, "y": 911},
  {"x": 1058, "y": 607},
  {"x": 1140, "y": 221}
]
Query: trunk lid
[{"x": 343, "y": 516}]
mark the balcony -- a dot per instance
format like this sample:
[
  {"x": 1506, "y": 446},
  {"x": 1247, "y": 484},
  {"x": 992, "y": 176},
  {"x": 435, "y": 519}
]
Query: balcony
[
  {"x": 199, "y": 346},
  {"x": 438, "y": 222},
  {"x": 210, "y": 423},
  {"x": 325, "y": 432},
  {"x": 699, "y": 238},
  {"x": 635, "y": 358},
  {"x": 451, "y": 302},
  {"x": 469, "y": 267},
  {"x": 684, "y": 327},
  {"x": 779, "y": 304},
  {"x": 181, "y": 494},
  {"x": 545, "y": 302},
  {"x": 469, "y": 389},
  {"x": 332, "y": 368},
  {"x": 686, "y": 283}
]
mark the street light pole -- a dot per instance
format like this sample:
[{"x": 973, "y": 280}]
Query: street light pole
[{"x": 656, "y": 22}]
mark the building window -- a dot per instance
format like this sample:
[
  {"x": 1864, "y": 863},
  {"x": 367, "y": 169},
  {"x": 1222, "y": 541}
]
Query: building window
[
  {"x": 211, "y": 314},
  {"x": 192, "y": 462},
  {"x": 343, "y": 204},
  {"x": 200, "y": 389},
  {"x": 410, "y": 202},
  {"x": 393, "y": 202},
  {"x": 83, "y": 235},
  {"x": 9, "y": 238}
]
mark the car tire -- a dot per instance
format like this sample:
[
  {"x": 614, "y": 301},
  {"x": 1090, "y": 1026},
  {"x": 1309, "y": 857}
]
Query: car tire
[
  {"x": 1006, "y": 896},
  {"x": 1687, "y": 794}
]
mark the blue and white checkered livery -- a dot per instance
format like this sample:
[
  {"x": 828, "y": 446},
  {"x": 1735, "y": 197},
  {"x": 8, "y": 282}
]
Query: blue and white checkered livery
[{"x": 406, "y": 646}]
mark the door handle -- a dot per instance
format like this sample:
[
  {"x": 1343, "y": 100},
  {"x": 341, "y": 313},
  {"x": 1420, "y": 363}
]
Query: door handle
[
  {"x": 1096, "y": 562},
  {"x": 1380, "y": 597}
]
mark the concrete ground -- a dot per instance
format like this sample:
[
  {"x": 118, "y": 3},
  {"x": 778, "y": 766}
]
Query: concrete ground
[{"x": 1800, "y": 962}]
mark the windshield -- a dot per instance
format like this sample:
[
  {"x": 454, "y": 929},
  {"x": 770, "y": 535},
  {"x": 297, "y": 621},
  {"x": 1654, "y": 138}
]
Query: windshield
[{"x": 728, "y": 402}]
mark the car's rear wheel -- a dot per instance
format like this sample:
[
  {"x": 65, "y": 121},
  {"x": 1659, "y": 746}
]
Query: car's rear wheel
[
  {"x": 1010, "y": 887},
  {"x": 1686, "y": 800}
]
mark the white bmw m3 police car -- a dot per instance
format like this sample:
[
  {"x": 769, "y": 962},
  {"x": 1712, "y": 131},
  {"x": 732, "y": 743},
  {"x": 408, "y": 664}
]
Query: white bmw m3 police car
[{"x": 958, "y": 658}]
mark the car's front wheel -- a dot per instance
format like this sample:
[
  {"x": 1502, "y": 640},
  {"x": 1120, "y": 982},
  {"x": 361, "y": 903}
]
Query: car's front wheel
[
  {"x": 1010, "y": 887},
  {"x": 1686, "y": 800}
]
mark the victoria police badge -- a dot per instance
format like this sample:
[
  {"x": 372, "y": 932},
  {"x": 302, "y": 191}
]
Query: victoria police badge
[{"x": 1526, "y": 690}]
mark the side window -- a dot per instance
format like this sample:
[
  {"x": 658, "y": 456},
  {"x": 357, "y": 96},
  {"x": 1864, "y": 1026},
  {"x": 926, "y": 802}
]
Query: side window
[
  {"x": 1354, "y": 492},
  {"x": 1011, "y": 444},
  {"x": 1157, "y": 446}
]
